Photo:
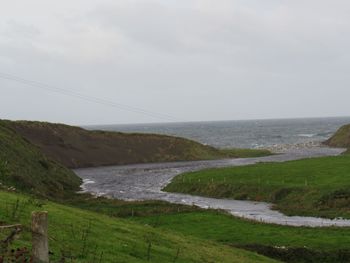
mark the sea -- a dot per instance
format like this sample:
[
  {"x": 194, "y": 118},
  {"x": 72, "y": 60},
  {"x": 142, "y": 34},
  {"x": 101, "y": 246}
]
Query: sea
[{"x": 242, "y": 133}]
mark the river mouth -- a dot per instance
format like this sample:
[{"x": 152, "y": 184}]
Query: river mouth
[{"x": 146, "y": 181}]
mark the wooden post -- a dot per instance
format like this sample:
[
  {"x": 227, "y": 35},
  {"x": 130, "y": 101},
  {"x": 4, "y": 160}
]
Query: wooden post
[{"x": 40, "y": 242}]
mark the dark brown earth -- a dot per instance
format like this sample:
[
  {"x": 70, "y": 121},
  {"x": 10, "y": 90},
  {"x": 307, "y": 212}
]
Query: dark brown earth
[{"x": 75, "y": 147}]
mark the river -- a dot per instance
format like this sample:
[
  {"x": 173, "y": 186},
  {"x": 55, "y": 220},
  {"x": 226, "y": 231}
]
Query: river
[{"x": 146, "y": 181}]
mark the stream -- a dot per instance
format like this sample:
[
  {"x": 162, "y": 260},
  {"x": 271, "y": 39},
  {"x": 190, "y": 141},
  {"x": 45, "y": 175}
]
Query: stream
[{"x": 145, "y": 181}]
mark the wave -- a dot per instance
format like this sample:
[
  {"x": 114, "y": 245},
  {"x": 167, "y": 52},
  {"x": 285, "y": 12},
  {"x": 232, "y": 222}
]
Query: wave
[{"x": 307, "y": 135}]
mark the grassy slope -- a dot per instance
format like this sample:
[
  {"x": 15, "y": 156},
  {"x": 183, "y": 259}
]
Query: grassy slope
[
  {"x": 75, "y": 147},
  {"x": 23, "y": 166},
  {"x": 119, "y": 240},
  {"x": 300, "y": 244},
  {"x": 341, "y": 138},
  {"x": 218, "y": 226},
  {"x": 224, "y": 228},
  {"x": 304, "y": 244},
  {"x": 319, "y": 187}
]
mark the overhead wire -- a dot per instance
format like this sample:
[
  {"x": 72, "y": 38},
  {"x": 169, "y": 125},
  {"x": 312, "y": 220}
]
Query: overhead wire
[{"x": 81, "y": 96}]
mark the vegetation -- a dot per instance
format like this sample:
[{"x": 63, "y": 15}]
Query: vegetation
[
  {"x": 341, "y": 138},
  {"x": 75, "y": 147},
  {"x": 314, "y": 187},
  {"x": 125, "y": 209},
  {"x": 245, "y": 153},
  {"x": 87, "y": 229},
  {"x": 290, "y": 244},
  {"x": 25, "y": 168},
  {"x": 82, "y": 236},
  {"x": 32, "y": 154}
]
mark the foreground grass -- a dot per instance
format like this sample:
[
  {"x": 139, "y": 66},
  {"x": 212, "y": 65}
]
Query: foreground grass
[
  {"x": 225, "y": 228},
  {"x": 289, "y": 244},
  {"x": 84, "y": 236},
  {"x": 315, "y": 187}
]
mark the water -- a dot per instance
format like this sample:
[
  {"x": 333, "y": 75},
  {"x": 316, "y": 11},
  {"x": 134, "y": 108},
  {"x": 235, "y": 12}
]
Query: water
[
  {"x": 243, "y": 134},
  {"x": 145, "y": 181}
]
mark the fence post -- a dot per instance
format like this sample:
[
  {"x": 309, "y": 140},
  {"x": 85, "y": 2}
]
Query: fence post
[{"x": 40, "y": 244}]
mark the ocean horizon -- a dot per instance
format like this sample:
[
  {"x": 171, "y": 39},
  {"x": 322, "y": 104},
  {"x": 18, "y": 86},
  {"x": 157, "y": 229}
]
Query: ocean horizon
[{"x": 242, "y": 133}]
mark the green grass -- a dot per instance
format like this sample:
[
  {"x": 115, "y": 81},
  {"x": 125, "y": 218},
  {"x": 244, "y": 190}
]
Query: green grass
[
  {"x": 24, "y": 167},
  {"x": 125, "y": 209},
  {"x": 85, "y": 236},
  {"x": 245, "y": 153},
  {"x": 315, "y": 187},
  {"x": 304, "y": 244},
  {"x": 227, "y": 229}
]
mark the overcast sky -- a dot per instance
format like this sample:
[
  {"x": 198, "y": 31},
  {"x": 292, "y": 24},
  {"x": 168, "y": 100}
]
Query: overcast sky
[{"x": 191, "y": 59}]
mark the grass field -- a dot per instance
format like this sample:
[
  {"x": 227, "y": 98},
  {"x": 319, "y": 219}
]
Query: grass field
[
  {"x": 224, "y": 228},
  {"x": 315, "y": 187},
  {"x": 289, "y": 244},
  {"x": 199, "y": 235},
  {"x": 296, "y": 244},
  {"x": 84, "y": 236}
]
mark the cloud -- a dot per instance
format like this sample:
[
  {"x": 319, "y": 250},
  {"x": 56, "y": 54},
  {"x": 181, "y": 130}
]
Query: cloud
[{"x": 177, "y": 57}]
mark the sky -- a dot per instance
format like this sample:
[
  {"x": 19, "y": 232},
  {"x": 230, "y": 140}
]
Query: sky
[{"x": 140, "y": 61}]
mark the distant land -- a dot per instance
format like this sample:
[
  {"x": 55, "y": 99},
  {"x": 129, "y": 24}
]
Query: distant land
[{"x": 341, "y": 138}]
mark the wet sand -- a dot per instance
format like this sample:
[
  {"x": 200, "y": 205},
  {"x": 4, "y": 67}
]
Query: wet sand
[{"x": 145, "y": 181}]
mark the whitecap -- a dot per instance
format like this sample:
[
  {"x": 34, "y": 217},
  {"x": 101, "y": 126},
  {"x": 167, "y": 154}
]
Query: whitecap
[
  {"x": 88, "y": 181},
  {"x": 308, "y": 135}
]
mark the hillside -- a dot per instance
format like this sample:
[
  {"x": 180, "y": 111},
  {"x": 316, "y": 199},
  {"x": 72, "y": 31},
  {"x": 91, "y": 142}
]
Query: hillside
[
  {"x": 23, "y": 166},
  {"x": 341, "y": 138},
  {"x": 75, "y": 147},
  {"x": 83, "y": 236}
]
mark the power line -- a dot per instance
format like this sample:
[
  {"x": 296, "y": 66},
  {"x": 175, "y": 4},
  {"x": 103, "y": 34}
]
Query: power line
[{"x": 85, "y": 97}]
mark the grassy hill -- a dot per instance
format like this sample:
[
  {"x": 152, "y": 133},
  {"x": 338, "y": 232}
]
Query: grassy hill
[
  {"x": 83, "y": 236},
  {"x": 341, "y": 138},
  {"x": 35, "y": 156},
  {"x": 75, "y": 147},
  {"x": 24, "y": 167}
]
